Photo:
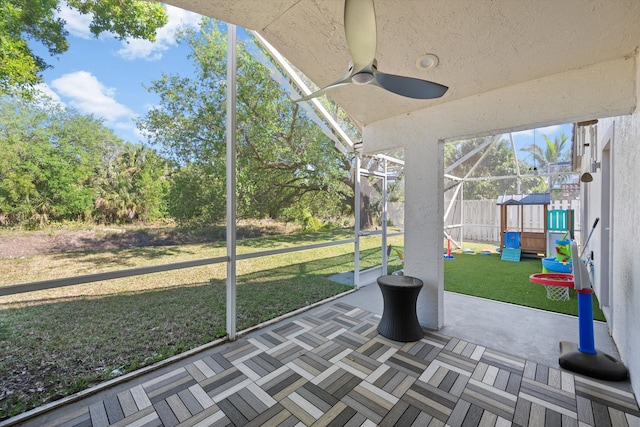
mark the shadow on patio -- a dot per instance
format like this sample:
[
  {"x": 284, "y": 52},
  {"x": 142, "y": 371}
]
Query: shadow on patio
[{"x": 492, "y": 364}]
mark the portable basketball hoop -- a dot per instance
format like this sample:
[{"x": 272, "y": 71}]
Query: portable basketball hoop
[
  {"x": 556, "y": 284},
  {"x": 582, "y": 357}
]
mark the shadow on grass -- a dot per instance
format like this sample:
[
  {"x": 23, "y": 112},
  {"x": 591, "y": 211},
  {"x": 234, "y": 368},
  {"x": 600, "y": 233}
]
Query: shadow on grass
[
  {"x": 126, "y": 257},
  {"x": 113, "y": 239},
  {"x": 59, "y": 348},
  {"x": 123, "y": 258},
  {"x": 323, "y": 267},
  {"x": 297, "y": 239}
]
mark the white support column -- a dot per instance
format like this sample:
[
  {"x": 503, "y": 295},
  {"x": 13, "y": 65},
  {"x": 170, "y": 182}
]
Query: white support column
[
  {"x": 356, "y": 207},
  {"x": 424, "y": 213},
  {"x": 461, "y": 215},
  {"x": 231, "y": 181},
  {"x": 385, "y": 216}
]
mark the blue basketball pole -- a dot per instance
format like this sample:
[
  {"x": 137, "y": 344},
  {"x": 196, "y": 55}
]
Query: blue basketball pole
[
  {"x": 583, "y": 357},
  {"x": 585, "y": 323}
]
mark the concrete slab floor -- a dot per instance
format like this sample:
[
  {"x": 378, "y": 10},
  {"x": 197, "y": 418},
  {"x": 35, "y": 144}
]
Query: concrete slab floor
[{"x": 520, "y": 331}]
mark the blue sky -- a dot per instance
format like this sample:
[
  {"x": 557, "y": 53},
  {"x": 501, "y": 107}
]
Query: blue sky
[
  {"x": 526, "y": 138},
  {"x": 105, "y": 77}
]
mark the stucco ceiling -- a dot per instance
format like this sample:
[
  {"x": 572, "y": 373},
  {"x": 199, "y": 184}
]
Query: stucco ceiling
[{"x": 482, "y": 45}]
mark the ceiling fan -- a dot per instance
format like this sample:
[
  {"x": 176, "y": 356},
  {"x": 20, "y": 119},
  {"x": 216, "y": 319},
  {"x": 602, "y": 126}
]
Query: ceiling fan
[{"x": 360, "y": 32}]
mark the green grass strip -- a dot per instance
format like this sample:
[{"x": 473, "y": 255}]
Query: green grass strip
[{"x": 490, "y": 277}]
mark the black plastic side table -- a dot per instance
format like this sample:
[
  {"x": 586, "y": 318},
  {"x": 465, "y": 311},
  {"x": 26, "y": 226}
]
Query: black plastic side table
[{"x": 399, "y": 318}]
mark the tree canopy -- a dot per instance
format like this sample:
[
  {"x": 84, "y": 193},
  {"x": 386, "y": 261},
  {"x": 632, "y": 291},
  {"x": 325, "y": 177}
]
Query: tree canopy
[
  {"x": 286, "y": 165},
  {"x": 37, "y": 21},
  {"x": 57, "y": 165},
  {"x": 498, "y": 161},
  {"x": 60, "y": 165}
]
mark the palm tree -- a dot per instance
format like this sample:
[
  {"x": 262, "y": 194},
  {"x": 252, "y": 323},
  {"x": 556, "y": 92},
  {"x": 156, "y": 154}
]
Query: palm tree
[{"x": 554, "y": 152}]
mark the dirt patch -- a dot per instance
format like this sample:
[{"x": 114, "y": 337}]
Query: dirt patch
[
  {"x": 37, "y": 242},
  {"x": 16, "y": 244}
]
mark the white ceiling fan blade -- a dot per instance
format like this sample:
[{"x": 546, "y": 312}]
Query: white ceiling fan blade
[
  {"x": 408, "y": 86},
  {"x": 360, "y": 32},
  {"x": 342, "y": 82}
]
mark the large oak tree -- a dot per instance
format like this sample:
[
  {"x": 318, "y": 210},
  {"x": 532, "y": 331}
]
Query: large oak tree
[{"x": 287, "y": 167}]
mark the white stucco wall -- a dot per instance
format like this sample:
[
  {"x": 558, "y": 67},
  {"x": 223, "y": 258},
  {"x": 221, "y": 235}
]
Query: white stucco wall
[
  {"x": 601, "y": 90},
  {"x": 606, "y": 89},
  {"x": 424, "y": 213},
  {"x": 625, "y": 233}
]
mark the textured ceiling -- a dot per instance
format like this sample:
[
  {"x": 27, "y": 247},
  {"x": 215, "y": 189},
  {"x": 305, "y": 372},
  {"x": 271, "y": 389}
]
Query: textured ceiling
[{"x": 482, "y": 44}]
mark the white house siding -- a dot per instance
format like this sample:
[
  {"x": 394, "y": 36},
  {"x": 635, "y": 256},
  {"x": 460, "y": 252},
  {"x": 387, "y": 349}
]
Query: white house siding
[
  {"x": 621, "y": 137},
  {"x": 625, "y": 232}
]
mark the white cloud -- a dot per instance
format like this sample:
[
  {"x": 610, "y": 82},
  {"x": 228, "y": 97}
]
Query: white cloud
[
  {"x": 124, "y": 125},
  {"x": 45, "y": 90},
  {"x": 165, "y": 37},
  {"x": 130, "y": 128},
  {"x": 90, "y": 96},
  {"x": 142, "y": 49},
  {"x": 77, "y": 23}
]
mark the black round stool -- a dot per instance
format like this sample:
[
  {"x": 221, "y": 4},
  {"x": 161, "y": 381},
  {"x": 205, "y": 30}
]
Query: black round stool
[{"x": 399, "y": 318}]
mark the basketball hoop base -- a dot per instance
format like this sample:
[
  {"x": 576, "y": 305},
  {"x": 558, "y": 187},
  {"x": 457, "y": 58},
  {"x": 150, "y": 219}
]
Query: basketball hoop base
[{"x": 598, "y": 365}]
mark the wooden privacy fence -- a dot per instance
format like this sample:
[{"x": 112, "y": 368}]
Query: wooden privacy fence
[{"x": 480, "y": 219}]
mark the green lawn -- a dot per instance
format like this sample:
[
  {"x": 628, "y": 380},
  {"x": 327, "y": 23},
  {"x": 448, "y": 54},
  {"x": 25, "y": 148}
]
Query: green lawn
[
  {"x": 60, "y": 341},
  {"x": 490, "y": 277}
]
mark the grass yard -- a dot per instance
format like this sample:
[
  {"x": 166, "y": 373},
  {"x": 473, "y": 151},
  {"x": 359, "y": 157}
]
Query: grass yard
[
  {"x": 490, "y": 277},
  {"x": 60, "y": 341}
]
